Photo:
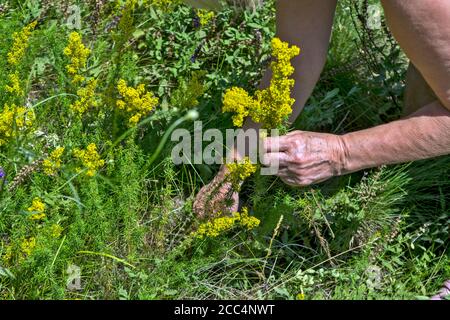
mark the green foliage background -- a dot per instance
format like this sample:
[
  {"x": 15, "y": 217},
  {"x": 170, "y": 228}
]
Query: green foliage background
[{"x": 379, "y": 234}]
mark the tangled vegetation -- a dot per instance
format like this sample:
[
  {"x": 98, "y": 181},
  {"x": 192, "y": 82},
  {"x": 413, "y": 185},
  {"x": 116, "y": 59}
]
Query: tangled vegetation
[{"x": 87, "y": 179}]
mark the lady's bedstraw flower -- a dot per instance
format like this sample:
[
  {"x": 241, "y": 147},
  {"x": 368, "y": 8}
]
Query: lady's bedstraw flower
[
  {"x": 20, "y": 44},
  {"x": 276, "y": 102},
  {"x": 86, "y": 98},
  {"x": 53, "y": 163},
  {"x": 78, "y": 55},
  {"x": 205, "y": 16},
  {"x": 28, "y": 245},
  {"x": 238, "y": 101},
  {"x": 270, "y": 106},
  {"x": 247, "y": 221},
  {"x": 8, "y": 253},
  {"x": 136, "y": 102},
  {"x": 220, "y": 225},
  {"x": 239, "y": 171},
  {"x": 56, "y": 230},
  {"x": 14, "y": 119},
  {"x": 300, "y": 296},
  {"x": 14, "y": 84},
  {"x": 37, "y": 209},
  {"x": 90, "y": 159}
]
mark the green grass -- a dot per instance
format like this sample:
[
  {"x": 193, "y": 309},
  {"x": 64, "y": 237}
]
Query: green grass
[{"x": 379, "y": 234}]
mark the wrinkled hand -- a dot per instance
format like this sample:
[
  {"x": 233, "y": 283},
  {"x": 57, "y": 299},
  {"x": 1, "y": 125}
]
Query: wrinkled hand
[
  {"x": 216, "y": 196},
  {"x": 305, "y": 158}
]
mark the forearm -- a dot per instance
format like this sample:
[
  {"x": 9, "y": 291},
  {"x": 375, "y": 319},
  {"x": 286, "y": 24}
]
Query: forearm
[
  {"x": 306, "y": 24},
  {"x": 424, "y": 134}
]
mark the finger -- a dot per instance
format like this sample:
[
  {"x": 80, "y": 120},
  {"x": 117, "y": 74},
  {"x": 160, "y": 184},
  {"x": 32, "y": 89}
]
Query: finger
[
  {"x": 289, "y": 181},
  {"x": 198, "y": 209},
  {"x": 294, "y": 179},
  {"x": 234, "y": 207},
  {"x": 276, "y": 144},
  {"x": 292, "y": 133},
  {"x": 275, "y": 159},
  {"x": 283, "y": 173}
]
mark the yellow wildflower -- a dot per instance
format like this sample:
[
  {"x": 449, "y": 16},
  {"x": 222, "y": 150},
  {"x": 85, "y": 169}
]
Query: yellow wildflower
[
  {"x": 37, "y": 209},
  {"x": 20, "y": 44},
  {"x": 270, "y": 106},
  {"x": 8, "y": 254},
  {"x": 205, "y": 16},
  {"x": 215, "y": 227},
  {"x": 53, "y": 162},
  {"x": 276, "y": 102},
  {"x": 86, "y": 98},
  {"x": 283, "y": 54},
  {"x": 239, "y": 171},
  {"x": 90, "y": 158},
  {"x": 14, "y": 119},
  {"x": 223, "y": 224},
  {"x": 56, "y": 230},
  {"x": 237, "y": 100},
  {"x": 28, "y": 245},
  {"x": 300, "y": 296},
  {"x": 137, "y": 102},
  {"x": 247, "y": 221},
  {"x": 78, "y": 55},
  {"x": 14, "y": 86}
]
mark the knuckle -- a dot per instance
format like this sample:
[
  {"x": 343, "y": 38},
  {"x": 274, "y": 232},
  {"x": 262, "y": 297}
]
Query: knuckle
[
  {"x": 296, "y": 143},
  {"x": 296, "y": 157},
  {"x": 304, "y": 182}
]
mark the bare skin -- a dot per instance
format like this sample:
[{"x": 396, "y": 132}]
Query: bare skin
[
  {"x": 295, "y": 20},
  {"x": 306, "y": 157}
]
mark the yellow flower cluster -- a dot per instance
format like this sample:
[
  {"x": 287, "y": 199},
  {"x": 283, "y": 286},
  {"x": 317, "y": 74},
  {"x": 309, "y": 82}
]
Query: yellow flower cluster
[
  {"x": 14, "y": 86},
  {"x": 78, "y": 55},
  {"x": 56, "y": 230},
  {"x": 239, "y": 171},
  {"x": 205, "y": 16},
  {"x": 90, "y": 158},
  {"x": 20, "y": 44},
  {"x": 300, "y": 296},
  {"x": 137, "y": 102},
  {"x": 238, "y": 100},
  {"x": 248, "y": 222},
  {"x": 220, "y": 225},
  {"x": 86, "y": 98},
  {"x": 37, "y": 209},
  {"x": 28, "y": 245},
  {"x": 13, "y": 119},
  {"x": 276, "y": 101},
  {"x": 270, "y": 106},
  {"x": 7, "y": 255},
  {"x": 53, "y": 162}
]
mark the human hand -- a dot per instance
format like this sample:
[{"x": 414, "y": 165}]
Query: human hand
[
  {"x": 305, "y": 158},
  {"x": 218, "y": 195}
]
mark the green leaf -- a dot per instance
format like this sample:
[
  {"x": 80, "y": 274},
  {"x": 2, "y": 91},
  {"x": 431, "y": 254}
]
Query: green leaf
[
  {"x": 138, "y": 33},
  {"x": 4, "y": 272}
]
